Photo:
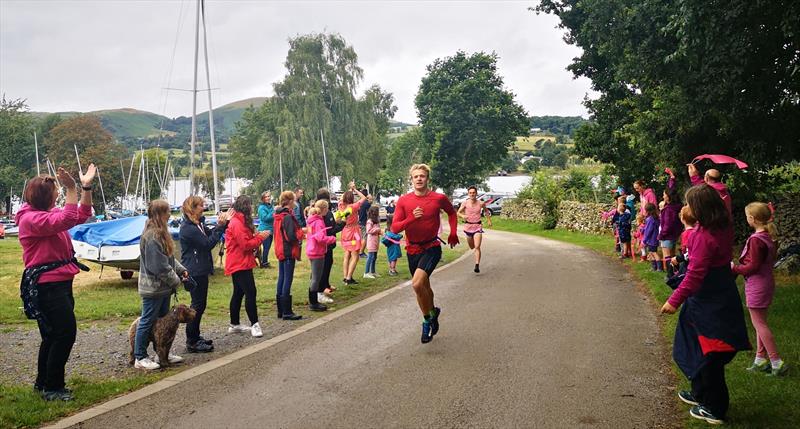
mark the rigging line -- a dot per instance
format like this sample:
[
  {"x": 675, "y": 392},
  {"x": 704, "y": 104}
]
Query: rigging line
[
  {"x": 214, "y": 58},
  {"x": 170, "y": 70}
]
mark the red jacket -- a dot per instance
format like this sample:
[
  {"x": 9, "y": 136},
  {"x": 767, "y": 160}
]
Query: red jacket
[
  {"x": 288, "y": 235},
  {"x": 240, "y": 242}
]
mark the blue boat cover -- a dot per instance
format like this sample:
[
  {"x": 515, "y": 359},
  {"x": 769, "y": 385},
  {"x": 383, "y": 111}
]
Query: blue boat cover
[{"x": 117, "y": 232}]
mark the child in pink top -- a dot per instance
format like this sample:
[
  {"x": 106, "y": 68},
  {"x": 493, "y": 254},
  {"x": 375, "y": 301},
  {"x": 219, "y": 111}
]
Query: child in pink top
[
  {"x": 755, "y": 264},
  {"x": 373, "y": 241}
]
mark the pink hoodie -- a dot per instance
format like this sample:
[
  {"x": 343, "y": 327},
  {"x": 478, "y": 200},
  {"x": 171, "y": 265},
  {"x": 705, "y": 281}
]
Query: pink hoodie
[
  {"x": 44, "y": 238},
  {"x": 317, "y": 238}
]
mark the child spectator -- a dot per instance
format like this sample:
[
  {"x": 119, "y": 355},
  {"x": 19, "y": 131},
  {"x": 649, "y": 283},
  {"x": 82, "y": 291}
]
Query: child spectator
[
  {"x": 288, "y": 235},
  {"x": 317, "y": 247},
  {"x": 651, "y": 236},
  {"x": 393, "y": 252},
  {"x": 670, "y": 224},
  {"x": 755, "y": 264},
  {"x": 638, "y": 236},
  {"x": 373, "y": 231},
  {"x": 676, "y": 269},
  {"x": 622, "y": 220}
]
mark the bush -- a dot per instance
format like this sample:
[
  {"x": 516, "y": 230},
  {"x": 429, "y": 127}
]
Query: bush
[{"x": 546, "y": 191}]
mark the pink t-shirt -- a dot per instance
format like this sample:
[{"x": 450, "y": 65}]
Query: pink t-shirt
[{"x": 472, "y": 211}]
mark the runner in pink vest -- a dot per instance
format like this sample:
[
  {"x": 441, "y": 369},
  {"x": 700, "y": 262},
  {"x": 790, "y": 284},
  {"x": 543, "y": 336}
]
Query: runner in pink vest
[{"x": 470, "y": 211}]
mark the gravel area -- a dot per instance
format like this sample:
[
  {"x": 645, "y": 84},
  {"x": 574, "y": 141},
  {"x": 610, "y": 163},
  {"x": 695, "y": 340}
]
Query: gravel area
[{"x": 101, "y": 350}]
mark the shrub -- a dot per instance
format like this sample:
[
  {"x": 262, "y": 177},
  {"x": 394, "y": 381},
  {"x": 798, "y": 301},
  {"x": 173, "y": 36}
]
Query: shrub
[{"x": 546, "y": 191}]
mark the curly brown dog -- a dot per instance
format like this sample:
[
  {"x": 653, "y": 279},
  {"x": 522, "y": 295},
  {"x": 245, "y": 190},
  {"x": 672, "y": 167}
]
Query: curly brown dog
[{"x": 163, "y": 333}]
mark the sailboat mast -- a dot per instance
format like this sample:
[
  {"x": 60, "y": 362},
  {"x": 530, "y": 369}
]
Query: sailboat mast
[
  {"x": 325, "y": 159},
  {"x": 194, "y": 96},
  {"x": 280, "y": 161},
  {"x": 36, "y": 145},
  {"x": 210, "y": 115}
]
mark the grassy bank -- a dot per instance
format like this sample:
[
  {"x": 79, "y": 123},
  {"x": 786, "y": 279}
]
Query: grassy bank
[
  {"x": 756, "y": 400},
  {"x": 111, "y": 301}
]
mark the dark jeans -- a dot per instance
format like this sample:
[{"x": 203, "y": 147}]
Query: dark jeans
[
  {"x": 244, "y": 286},
  {"x": 285, "y": 277},
  {"x": 199, "y": 299},
  {"x": 325, "y": 282},
  {"x": 152, "y": 310},
  {"x": 709, "y": 387},
  {"x": 57, "y": 305},
  {"x": 267, "y": 244}
]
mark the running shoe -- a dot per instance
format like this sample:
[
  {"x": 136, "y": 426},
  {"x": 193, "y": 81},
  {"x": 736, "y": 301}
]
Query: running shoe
[
  {"x": 58, "y": 395},
  {"x": 426, "y": 332},
  {"x": 686, "y": 396},
  {"x": 702, "y": 413},
  {"x": 435, "y": 321},
  {"x": 779, "y": 370},
  {"x": 758, "y": 367},
  {"x": 477, "y": 268}
]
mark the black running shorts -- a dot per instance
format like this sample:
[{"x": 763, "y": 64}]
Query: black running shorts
[{"x": 426, "y": 260}]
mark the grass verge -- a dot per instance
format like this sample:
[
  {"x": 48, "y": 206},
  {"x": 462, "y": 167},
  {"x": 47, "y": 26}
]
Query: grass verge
[
  {"x": 112, "y": 301},
  {"x": 756, "y": 400}
]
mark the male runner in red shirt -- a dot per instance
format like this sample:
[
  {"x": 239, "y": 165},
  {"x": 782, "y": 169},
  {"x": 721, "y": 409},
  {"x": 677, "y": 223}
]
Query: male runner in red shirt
[{"x": 417, "y": 213}]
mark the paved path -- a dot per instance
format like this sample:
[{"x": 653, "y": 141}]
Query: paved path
[{"x": 549, "y": 335}]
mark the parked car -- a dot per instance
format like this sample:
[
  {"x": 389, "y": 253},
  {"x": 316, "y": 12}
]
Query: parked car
[
  {"x": 496, "y": 205},
  {"x": 225, "y": 201}
]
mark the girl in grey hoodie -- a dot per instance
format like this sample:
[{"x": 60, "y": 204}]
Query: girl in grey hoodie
[{"x": 159, "y": 276}]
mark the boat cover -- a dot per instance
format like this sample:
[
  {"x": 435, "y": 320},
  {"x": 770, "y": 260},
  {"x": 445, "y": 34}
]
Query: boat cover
[{"x": 117, "y": 232}]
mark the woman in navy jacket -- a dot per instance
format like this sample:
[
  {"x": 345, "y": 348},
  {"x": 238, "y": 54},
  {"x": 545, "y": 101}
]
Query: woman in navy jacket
[{"x": 197, "y": 240}]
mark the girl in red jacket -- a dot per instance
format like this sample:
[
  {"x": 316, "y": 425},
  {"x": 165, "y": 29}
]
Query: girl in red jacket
[
  {"x": 240, "y": 242},
  {"x": 288, "y": 235}
]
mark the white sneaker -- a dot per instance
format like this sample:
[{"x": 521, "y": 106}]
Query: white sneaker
[
  {"x": 369, "y": 276},
  {"x": 173, "y": 359},
  {"x": 146, "y": 363},
  {"x": 232, "y": 329},
  {"x": 321, "y": 297},
  {"x": 376, "y": 275},
  {"x": 255, "y": 330}
]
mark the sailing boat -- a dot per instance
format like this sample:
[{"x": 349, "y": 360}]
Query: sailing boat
[{"x": 115, "y": 243}]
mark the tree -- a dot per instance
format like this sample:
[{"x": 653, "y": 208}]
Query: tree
[
  {"x": 402, "y": 152},
  {"x": 467, "y": 117},
  {"x": 678, "y": 79},
  {"x": 317, "y": 94},
  {"x": 95, "y": 145},
  {"x": 16, "y": 147}
]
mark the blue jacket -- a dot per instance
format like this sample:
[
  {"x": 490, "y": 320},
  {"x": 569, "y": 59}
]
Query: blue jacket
[
  {"x": 196, "y": 244},
  {"x": 651, "y": 231},
  {"x": 265, "y": 217}
]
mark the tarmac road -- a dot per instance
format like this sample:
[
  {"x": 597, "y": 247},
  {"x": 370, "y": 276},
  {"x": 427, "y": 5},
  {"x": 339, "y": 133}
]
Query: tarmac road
[{"x": 548, "y": 335}]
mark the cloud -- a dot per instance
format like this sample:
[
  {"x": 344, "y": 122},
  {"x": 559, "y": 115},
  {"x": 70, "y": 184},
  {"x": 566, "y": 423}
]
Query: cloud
[{"x": 92, "y": 55}]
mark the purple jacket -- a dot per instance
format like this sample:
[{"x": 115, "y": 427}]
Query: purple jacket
[
  {"x": 651, "y": 231},
  {"x": 671, "y": 226}
]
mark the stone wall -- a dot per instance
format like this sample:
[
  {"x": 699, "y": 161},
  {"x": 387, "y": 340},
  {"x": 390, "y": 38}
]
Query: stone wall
[
  {"x": 572, "y": 215},
  {"x": 527, "y": 210},
  {"x": 583, "y": 217},
  {"x": 787, "y": 220}
]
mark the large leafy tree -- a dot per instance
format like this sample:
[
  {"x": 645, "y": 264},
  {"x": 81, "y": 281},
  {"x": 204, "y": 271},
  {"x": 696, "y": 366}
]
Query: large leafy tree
[
  {"x": 681, "y": 78},
  {"x": 468, "y": 118},
  {"x": 317, "y": 94},
  {"x": 95, "y": 145},
  {"x": 16, "y": 147}
]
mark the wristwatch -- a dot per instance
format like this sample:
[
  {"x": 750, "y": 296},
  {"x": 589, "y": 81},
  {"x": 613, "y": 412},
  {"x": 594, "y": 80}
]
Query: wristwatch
[{"x": 86, "y": 188}]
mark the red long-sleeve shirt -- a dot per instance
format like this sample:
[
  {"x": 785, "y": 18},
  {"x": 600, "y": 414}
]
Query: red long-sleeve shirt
[{"x": 421, "y": 233}]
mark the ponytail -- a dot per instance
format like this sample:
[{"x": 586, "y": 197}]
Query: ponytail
[{"x": 762, "y": 215}]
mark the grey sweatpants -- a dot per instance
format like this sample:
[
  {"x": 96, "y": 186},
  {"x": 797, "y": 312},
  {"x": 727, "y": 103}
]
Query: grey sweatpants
[{"x": 317, "y": 267}]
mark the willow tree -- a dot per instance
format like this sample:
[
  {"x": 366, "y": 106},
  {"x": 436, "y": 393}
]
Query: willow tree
[{"x": 317, "y": 98}]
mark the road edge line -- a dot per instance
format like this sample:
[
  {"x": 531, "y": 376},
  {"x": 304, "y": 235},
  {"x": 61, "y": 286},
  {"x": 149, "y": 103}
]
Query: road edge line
[{"x": 151, "y": 389}]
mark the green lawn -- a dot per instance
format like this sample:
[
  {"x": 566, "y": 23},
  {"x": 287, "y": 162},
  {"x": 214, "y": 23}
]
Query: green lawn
[
  {"x": 112, "y": 301},
  {"x": 756, "y": 400},
  {"x": 525, "y": 144}
]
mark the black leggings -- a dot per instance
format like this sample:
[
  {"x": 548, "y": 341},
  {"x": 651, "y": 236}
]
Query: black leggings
[
  {"x": 325, "y": 282},
  {"x": 244, "y": 285},
  {"x": 709, "y": 386},
  {"x": 57, "y": 305},
  {"x": 199, "y": 299}
]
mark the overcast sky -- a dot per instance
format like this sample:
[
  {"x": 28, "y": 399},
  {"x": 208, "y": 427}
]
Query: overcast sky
[{"x": 93, "y": 55}]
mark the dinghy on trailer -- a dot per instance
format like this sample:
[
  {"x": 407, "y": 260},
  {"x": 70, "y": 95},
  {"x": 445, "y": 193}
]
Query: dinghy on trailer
[{"x": 113, "y": 243}]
